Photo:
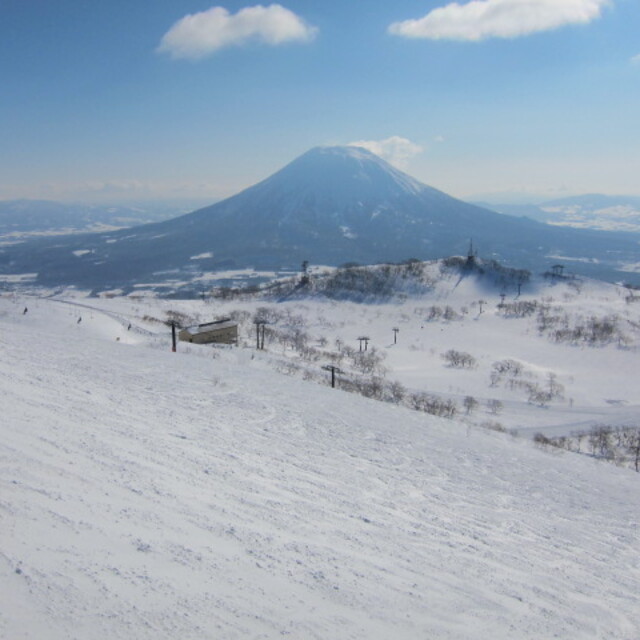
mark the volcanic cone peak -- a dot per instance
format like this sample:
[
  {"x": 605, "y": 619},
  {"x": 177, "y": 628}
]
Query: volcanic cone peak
[
  {"x": 329, "y": 206},
  {"x": 346, "y": 172}
]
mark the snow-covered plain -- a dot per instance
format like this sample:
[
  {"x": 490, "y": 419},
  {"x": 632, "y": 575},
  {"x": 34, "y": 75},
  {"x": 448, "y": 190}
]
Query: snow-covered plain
[{"x": 201, "y": 494}]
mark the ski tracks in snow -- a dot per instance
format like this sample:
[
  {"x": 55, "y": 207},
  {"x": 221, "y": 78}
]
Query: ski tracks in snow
[{"x": 155, "y": 495}]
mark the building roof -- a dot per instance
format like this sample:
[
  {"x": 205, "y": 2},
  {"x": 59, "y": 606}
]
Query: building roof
[{"x": 216, "y": 325}]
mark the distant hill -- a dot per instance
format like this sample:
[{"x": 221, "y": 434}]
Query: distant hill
[
  {"x": 590, "y": 211},
  {"x": 23, "y": 218},
  {"x": 330, "y": 206}
]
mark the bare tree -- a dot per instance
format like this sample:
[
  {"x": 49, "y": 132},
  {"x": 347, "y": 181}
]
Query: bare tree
[
  {"x": 600, "y": 441},
  {"x": 397, "y": 392},
  {"x": 459, "y": 359},
  {"x": 470, "y": 403},
  {"x": 633, "y": 447}
]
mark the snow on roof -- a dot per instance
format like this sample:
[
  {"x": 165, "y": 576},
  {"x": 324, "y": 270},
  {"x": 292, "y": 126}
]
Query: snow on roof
[{"x": 216, "y": 325}]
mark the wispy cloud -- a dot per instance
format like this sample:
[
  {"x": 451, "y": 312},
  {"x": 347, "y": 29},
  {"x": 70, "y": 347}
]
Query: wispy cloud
[
  {"x": 636, "y": 60},
  {"x": 201, "y": 34},
  {"x": 120, "y": 190},
  {"x": 145, "y": 189},
  {"x": 483, "y": 19},
  {"x": 396, "y": 150}
]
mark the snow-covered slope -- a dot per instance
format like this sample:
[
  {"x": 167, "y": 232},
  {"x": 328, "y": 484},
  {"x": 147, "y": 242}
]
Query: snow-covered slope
[
  {"x": 545, "y": 330},
  {"x": 147, "y": 494}
]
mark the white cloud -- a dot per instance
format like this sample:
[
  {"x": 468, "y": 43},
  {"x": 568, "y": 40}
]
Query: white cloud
[
  {"x": 636, "y": 60},
  {"x": 396, "y": 150},
  {"x": 201, "y": 34},
  {"x": 482, "y": 19}
]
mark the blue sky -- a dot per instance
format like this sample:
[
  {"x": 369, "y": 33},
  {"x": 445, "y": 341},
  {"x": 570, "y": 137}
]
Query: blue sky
[{"x": 129, "y": 99}]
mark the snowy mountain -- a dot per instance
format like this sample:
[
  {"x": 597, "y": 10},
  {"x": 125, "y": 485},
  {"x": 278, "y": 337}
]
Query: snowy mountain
[
  {"x": 208, "y": 494},
  {"x": 330, "y": 206}
]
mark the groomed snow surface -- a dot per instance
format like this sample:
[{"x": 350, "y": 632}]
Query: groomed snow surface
[{"x": 147, "y": 494}]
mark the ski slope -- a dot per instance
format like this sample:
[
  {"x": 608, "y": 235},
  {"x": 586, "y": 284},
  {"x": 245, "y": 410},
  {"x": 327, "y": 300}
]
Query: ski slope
[
  {"x": 599, "y": 383},
  {"x": 200, "y": 494}
]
